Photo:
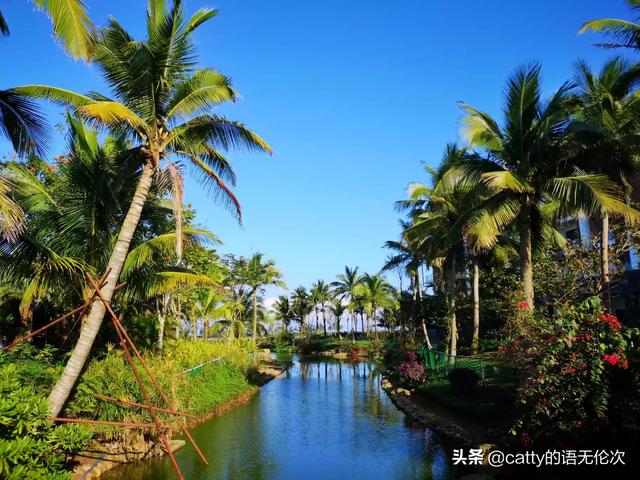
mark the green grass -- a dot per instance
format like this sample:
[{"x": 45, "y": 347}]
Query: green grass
[{"x": 198, "y": 393}]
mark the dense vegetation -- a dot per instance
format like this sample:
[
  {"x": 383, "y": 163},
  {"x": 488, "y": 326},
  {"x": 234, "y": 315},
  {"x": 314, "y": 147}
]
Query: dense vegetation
[{"x": 488, "y": 272}]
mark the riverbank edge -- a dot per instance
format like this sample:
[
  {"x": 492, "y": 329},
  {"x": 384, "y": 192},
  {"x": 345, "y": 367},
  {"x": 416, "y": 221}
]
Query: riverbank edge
[
  {"x": 450, "y": 427},
  {"x": 91, "y": 465}
]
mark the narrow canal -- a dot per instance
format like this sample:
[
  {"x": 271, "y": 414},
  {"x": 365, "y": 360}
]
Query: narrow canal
[{"x": 322, "y": 419}]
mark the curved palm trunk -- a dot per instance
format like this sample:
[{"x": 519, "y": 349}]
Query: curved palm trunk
[
  {"x": 476, "y": 307},
  {"x": 526, "y": 264},
  {"x": 254, "y": 331},
  {"x": 604, "y": 262},
  {"x": 92, "y": 322}
]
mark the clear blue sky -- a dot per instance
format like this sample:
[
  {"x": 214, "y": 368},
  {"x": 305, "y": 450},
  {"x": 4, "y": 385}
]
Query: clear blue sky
[{"x": 352, "y": 95}]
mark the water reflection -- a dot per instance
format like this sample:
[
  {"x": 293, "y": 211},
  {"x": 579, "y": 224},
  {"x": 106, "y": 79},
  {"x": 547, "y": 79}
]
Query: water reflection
[{"x": 322, "y": 419}]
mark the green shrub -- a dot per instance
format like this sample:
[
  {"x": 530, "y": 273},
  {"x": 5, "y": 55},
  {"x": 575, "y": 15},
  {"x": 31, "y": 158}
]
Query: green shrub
[
  {"x": 579, "y": 373},
  {"x": 285, "y": 342},
  {"x": 198, "y": 392},
  {"x": 31, "y": 447}
]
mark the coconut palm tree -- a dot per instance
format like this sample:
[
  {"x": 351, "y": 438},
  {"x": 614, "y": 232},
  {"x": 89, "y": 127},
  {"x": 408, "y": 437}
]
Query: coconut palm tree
[
  {"x": 608, "y": 116},
  {"x": 320, "y": 296},
  {"x": 345, "y": 288},
  {"x": 438, "y": 215},
  {"x": 301, "y": 306},
  {"x": 626, "y": 34},
  {"x": 257, "y": 273},
  {"x": 163, "y": 103},
  {"x": 337, "y": 309},
  {"x": 530, "y": 171},
  {"x": 376, "y": 293},
  {"x": 409, "y": 259},
  {"x": 282, "y": 311}
]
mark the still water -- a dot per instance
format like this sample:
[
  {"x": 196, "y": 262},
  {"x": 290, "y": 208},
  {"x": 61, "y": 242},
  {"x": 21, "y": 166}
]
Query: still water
[{"x": 321, "y": 419}]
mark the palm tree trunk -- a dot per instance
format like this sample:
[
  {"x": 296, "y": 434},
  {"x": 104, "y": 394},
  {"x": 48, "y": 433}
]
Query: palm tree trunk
[
  {"x": 254, "y": 331},
  {"x": 526, "y": 264},
  {"x": 374, "y": 320},
  {"x": 353, "y": 326},
  {"x": 453, "y": 325},
  {"x": 418, "y": 300},
  {"x": 324, "y": 322},
  {"x": 604, "y": 262},
  {"x": 476, "y": 307},
  {"x": 92, "y": 322},
  {"x": 161, "y": 322},
  {"x": 205, "y": 330}
]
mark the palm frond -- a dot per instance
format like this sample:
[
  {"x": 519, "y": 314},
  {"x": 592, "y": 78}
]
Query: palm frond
[
  {"x": 71, "y": 25},
  {"x": 22, "y": 123}
]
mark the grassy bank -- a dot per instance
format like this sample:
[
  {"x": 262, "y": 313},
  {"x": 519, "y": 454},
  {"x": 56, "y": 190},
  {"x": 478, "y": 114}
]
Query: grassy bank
[
  {"x": 196, "y": 392},
  {"x": 28, "y": 375}
]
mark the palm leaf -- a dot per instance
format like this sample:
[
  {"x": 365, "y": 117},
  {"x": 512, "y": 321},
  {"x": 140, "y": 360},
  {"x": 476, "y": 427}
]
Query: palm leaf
[{"x": 71, "y": 25}]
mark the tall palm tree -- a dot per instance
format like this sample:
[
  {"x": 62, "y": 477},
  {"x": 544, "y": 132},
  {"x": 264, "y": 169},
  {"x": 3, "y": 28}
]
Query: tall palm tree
[
  {"x": 626, "y": 34},
  {"x": 439, "y": 213},
  {"x": 376, "y": 293},
  {"x": 338, "y": 309},
  {"x": 282, "y": 311},
  {"x": 410, "y": 259},
  {"x": 257, "y": 273},
  {"x": 608, "y": 116},
  {"x": 530, "y": 171},
  {"x": 162, "y": 102},
  {"x": 345, "y": 287},
  {"x": 301, "y": 306},
  {"x": 320, "y": 296}
]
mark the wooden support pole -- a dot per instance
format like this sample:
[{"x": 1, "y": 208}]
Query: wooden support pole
[
  {"x": 123, "y": 343},
  {"x": 182, "y": 426},
  {"x": 141, "y": 405}
]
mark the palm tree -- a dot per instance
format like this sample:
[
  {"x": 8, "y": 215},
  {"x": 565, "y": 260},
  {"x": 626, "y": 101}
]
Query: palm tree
[
  {"x": 301, "y": 306},
  {"x": 282, "y": 311},
  {"x": 607, "y": 114},
  {"x": 376, "y": 293},
  {"x": 438, "y": 214},
  {"x": 256, "y": 274},
  {"x": 626, "y": 34},
  {"x": 530, "y": 171},
  {"x": 345, "y": 287},
  {"x": 337, "y": 309},
  {"x": 409, "y": 259},
  {"x": 162, "y": 103},
  {"x": 320, "y": 296}
]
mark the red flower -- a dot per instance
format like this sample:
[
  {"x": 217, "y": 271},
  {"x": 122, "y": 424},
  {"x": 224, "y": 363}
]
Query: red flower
[
  {"x": 549, "y": 338},
  {"x": 586, "y": 336},
  {"x": 624, "y": 363},
  {"x": 523, "y": 304},
  {"x": 611, "y": 359},
  {"x": 571, "y": 370},
  {"x": 611, "y": 320}
]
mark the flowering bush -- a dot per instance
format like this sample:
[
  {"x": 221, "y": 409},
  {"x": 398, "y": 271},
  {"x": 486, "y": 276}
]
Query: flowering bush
[
  {"x": 412, "y": 370},
  {"x": 572, "y": 362}
]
